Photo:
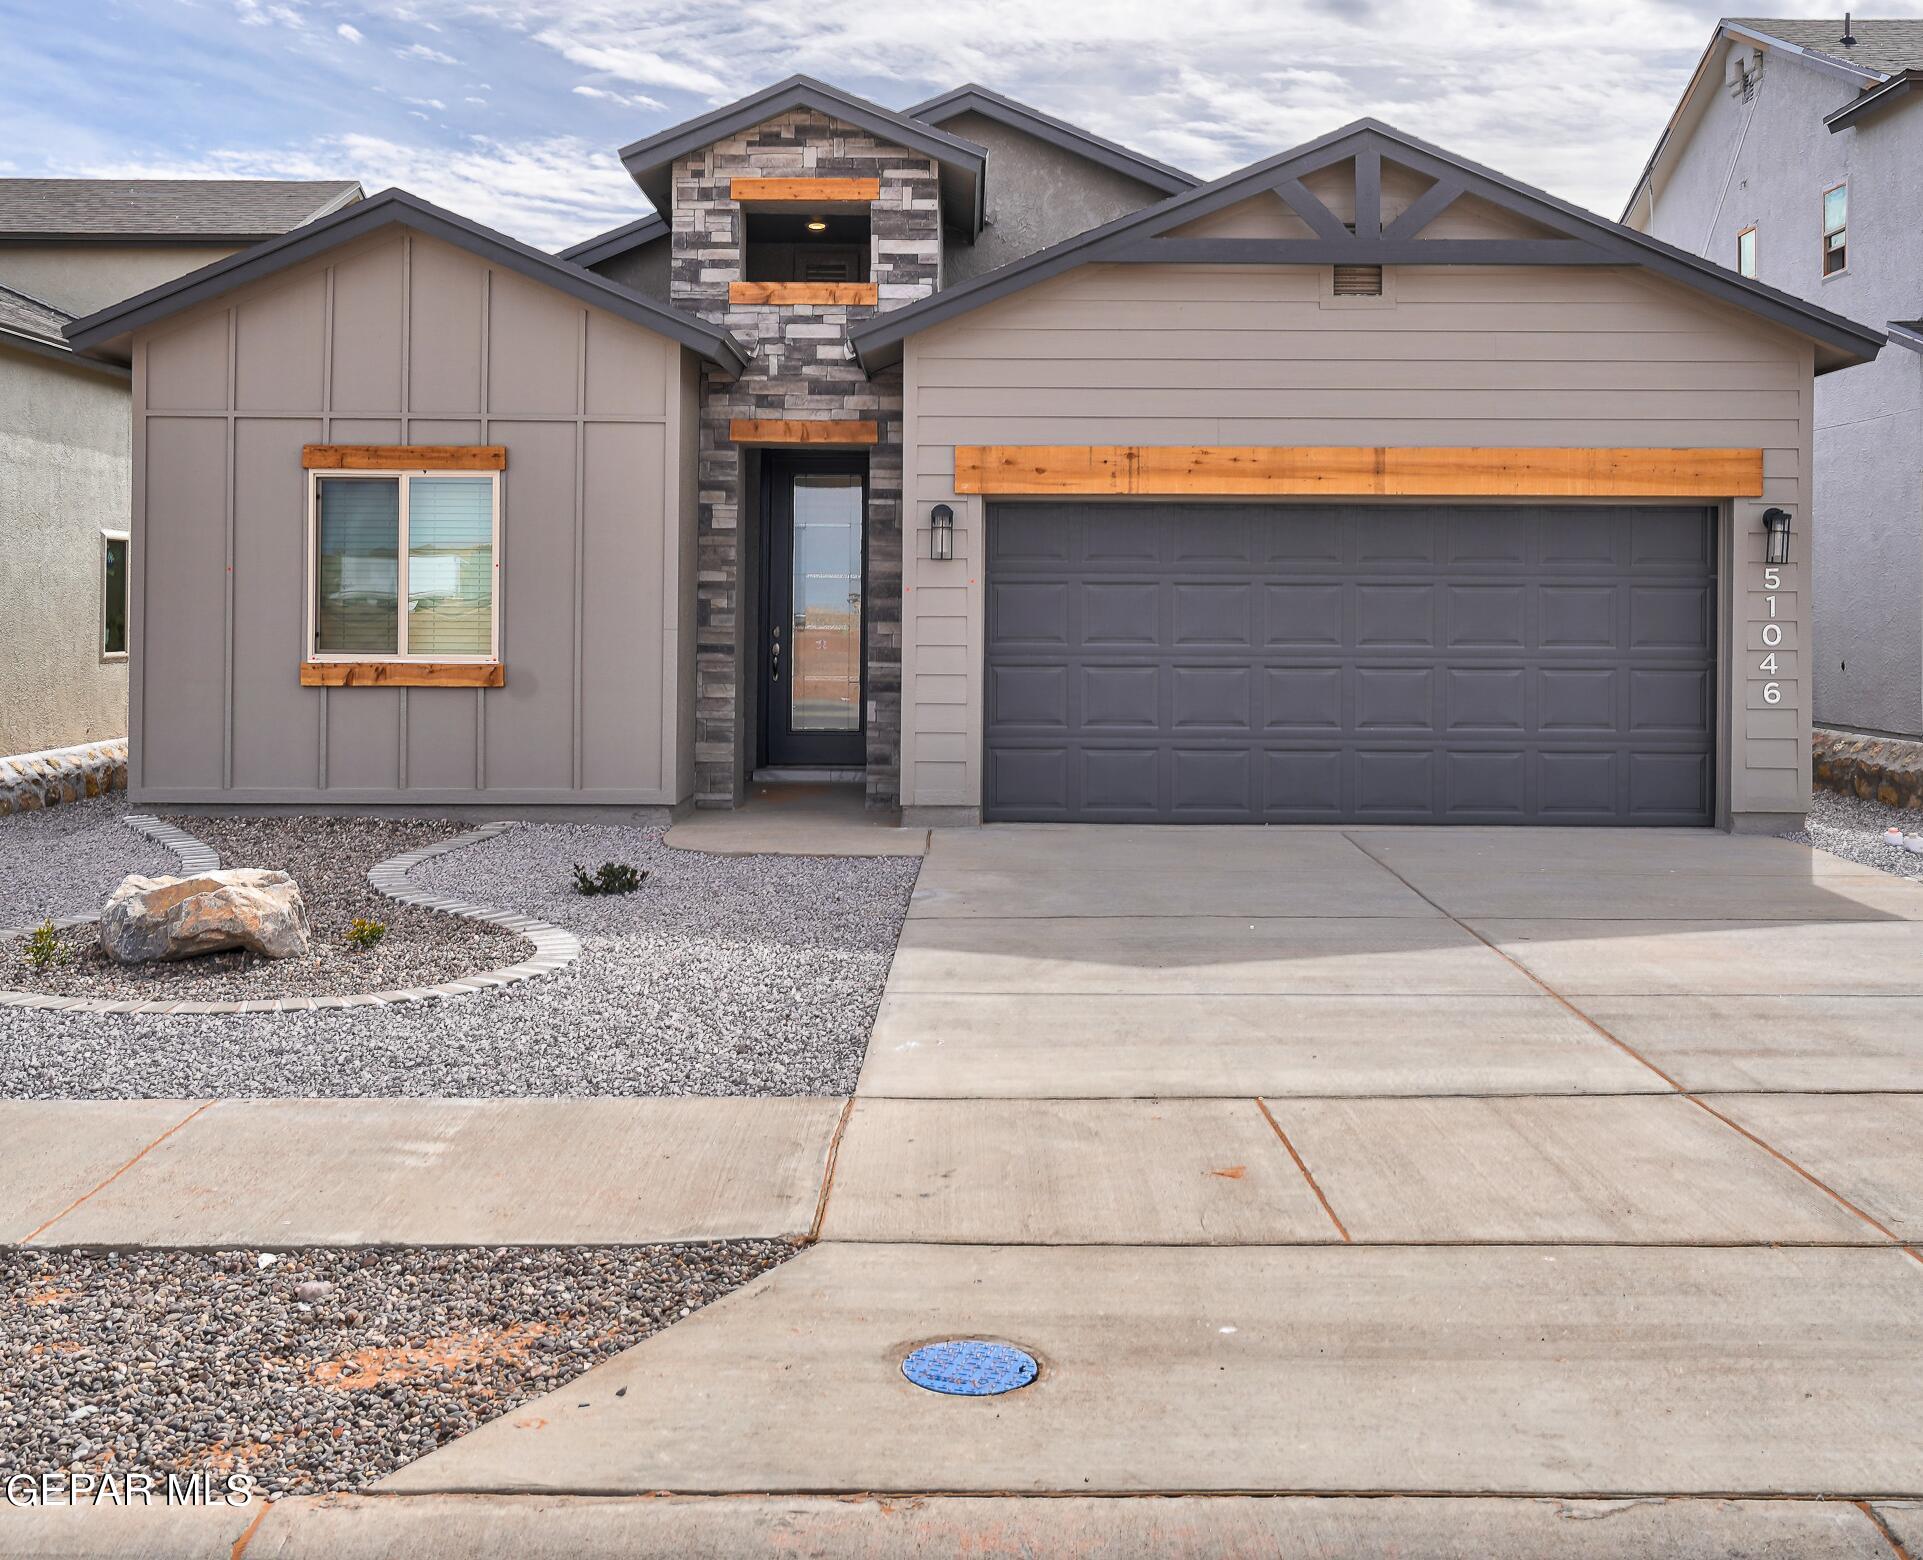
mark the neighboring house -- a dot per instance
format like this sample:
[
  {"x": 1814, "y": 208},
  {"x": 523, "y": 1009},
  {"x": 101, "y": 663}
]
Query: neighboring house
[
  {"x": 69, "y": 247},
  {"x": 1796, "y": 157},
  {"x": 1363, "y": 484}
]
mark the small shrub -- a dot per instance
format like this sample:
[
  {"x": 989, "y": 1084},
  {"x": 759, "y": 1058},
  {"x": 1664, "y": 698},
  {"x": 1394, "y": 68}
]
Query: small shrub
[
  {"x": 43, "y": 946},
  {"x": 611, "y": 877},
  {"x": 362, "y": 933}
]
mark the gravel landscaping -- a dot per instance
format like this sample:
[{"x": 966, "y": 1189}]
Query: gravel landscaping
[
  {"x": 1850, "y": 827},
  {"x": 324, "y": 1369},
  {"x": 66, "y": 860},
  {"x": 329, "y": 858},
  {"x": 754, "y": 975}
]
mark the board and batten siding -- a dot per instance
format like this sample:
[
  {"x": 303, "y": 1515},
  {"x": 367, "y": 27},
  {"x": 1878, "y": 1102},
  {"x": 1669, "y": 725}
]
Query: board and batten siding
[
  {"x": 1457, "y": 356},
  {"x": 403, "y": 339}
]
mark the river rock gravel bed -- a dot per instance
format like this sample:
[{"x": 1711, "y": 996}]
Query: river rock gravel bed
[
  {"x": 324, "y": 1369},
  {"x": 66, "y": 860},
  {"x": 329, "y": 858},
  {"x": 1852, "y": 827},
  {"x": 743, "y": 975}
]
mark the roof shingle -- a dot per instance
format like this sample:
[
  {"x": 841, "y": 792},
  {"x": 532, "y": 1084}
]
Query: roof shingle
[
  {"x": 233, "y": 209},
  {"x": 1881, "y": 46},
  {"x": 24, "y": 315}
]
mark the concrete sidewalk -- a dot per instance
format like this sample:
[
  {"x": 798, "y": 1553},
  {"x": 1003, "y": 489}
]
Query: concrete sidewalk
[
  {"x": 281, "y": 1173},
  {"x": 647, "y": 1527}
]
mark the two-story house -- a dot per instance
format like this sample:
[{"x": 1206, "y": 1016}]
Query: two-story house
[
  {"x": 69, "y": 247},
  {"x": 1013, "y": 474},
  {"x": 1795, "y": 157}
]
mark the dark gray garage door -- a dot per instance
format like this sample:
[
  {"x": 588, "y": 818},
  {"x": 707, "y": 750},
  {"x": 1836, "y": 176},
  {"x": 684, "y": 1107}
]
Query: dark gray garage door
[{"x": 1273, "y": 664}]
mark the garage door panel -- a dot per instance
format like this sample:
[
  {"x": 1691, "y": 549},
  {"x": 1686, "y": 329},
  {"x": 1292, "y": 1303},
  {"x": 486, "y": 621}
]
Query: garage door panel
[
  {"x": 1301, "y": 698},
  {"x": 1395, "y": 617},
  {"x": 1252, "y": 662}
]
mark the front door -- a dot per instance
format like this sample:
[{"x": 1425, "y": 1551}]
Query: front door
[{"x": 812, "y": 651}]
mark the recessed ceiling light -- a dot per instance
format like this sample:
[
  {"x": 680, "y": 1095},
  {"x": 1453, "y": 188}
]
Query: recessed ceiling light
[{"x": 816, "y": 225}]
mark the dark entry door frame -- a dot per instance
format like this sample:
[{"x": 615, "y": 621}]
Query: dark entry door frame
[{"x": 783, "y": 740}]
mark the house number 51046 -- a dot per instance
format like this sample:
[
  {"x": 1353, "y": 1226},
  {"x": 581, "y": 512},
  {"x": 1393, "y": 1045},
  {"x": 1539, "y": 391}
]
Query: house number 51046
[{"x": 1772, "y": 637}]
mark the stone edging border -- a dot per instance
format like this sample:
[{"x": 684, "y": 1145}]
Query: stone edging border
[{"x": 554, "y": 948}]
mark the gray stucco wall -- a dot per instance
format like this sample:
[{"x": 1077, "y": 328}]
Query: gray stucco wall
[
  {"x": 646, "y": 269},
  {"x": 397, "y": 340},
  {"x": 1766, "y": 163},
  {"x": 63, "y": 481},
  {"x": 1037, "y": 195},
  {"x": 81, "y": 278},
  {"x": 1452, "y": 356}
]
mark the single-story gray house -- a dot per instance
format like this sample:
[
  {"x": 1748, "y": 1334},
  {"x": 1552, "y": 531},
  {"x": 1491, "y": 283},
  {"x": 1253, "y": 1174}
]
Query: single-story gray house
[{"x": 1361, "y": 485}]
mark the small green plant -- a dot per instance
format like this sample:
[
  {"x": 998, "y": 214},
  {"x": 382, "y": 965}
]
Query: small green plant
[
  {"x": 43, "y": 946},
  {"x": 611, "y": 877},
  {"x": 362, "y": 933}
]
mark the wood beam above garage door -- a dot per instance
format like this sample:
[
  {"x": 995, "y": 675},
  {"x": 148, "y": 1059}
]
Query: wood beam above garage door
[{"x": 1216, "y": 470}]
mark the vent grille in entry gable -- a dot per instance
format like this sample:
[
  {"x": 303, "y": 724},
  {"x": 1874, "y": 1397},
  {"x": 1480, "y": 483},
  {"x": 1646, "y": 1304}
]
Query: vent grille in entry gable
[{"x": 1358, "y": 281}]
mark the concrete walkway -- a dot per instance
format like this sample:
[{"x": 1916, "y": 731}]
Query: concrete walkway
[{"x": 1445, "y": 1162}]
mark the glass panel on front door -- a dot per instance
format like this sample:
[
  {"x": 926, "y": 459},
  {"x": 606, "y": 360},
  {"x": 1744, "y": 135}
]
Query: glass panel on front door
[{"x": 824, "y": 689}]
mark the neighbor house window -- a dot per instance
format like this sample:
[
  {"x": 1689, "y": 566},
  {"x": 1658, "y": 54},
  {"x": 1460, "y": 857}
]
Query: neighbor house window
[
  {"x": 403, "y": 566},
  {"x": 1746, "y": 252},
  {"x": 113, "y": 593},
  {"x": 1836, "y": 223}
]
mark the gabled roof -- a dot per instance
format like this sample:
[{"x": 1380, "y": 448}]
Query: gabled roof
[
  {"x": 650, "y": 161},
  {"x": 165, "y": 211},
  {"x": 1585, "y": 239},
  {"x": 973, "y": 99},
  {"x": 1882, "y": 48},
  {"x": 105, "y": 333},
  {"x": 32, "y": 324},
  {"x": 1881, "y": 52},
  {"x": 616, "y": 241}
]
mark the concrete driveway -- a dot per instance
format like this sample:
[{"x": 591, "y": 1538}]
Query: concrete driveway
[{"x": 1439, "y": 1163}]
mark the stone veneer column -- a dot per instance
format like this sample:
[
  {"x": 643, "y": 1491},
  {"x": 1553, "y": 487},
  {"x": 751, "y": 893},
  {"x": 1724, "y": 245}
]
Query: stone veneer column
[{"x": 801, "y": 369}]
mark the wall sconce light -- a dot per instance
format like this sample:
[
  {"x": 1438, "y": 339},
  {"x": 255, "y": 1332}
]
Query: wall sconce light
[
  {"x": 941, "y": 533},
  {"x": 1776, "y": 536}
]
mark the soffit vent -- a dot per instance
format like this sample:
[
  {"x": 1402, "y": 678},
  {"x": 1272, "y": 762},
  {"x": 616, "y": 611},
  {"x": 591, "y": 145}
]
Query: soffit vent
[{"x": 1358, "y": 281}]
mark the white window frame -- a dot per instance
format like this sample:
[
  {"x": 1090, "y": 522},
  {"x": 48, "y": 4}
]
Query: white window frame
[
  {"x": 401, "y": 655},
  {"x": 127, "y": 582},
  {"x": 1823, "y": 252}
]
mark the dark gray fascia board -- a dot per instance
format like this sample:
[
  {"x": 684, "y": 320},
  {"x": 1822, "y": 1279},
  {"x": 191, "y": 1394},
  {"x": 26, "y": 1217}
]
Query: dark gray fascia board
[
  {"x": 971, "y": 98},
  {"x": 649, "y": 160},
  {"x": 1907, "y": 333},
  {"x": 1362, "y": 251},
  {"x": 61, "y": 353},
  {"x": 1823, "y": 64},
  {"x": 98, "y": 331},
  {"x": 616, "y": 241},
  {"x": 1873, "y": 102},
  {"x": 877, "y": 341}
]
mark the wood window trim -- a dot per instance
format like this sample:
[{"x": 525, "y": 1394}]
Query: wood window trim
[
  {"x": 393, "y": 459},
  {"x": 804, "y": 292},
  {"x": 1750, "y": 234},
  {"x": 402, "y": 674},
  {"x": 774, "y": 430},
  {"x": 432, "y": 671},
  {"x": 1356, "y": 471},
  {"x": 820, "y": 192}
]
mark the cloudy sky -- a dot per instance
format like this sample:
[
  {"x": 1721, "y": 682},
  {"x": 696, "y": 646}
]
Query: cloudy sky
[{"x": 509, "y": 110}]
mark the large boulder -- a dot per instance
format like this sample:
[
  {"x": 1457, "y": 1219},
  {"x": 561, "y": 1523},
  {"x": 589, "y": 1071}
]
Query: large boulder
[{"x": 181, "y": 918}]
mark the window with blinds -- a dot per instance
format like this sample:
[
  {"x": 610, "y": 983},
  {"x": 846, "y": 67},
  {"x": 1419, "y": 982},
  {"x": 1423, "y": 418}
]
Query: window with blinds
[{"x": 403, "y": 567}]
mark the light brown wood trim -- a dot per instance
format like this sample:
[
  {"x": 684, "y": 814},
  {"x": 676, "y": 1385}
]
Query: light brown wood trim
[
  {"x": 769, "y": 430},
  {"x": 404, "y": 457},
  {"x": 804, "y": 292},
  {"x": 402, "y": 674},
  {"x": 1358, "y": 471},
  {"x": 820, "y": 191}
]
